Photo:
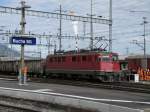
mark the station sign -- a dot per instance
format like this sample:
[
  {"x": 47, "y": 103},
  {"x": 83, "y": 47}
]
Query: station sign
[{"x": 23, "y": 40}]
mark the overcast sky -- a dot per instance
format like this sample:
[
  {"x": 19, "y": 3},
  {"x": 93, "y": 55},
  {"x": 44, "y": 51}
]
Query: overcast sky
[{"x": 126, "y": 24}]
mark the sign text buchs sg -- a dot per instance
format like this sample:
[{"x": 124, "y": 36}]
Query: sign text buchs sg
[{"x": 23, "y": 40}]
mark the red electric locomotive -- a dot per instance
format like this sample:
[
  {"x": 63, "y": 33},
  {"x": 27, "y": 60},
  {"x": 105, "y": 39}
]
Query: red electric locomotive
[{"x": 83, "y": 64}]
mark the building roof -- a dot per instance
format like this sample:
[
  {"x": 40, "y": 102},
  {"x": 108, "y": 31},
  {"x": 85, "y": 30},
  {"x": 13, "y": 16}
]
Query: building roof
[{"x": 137, "y": 56}]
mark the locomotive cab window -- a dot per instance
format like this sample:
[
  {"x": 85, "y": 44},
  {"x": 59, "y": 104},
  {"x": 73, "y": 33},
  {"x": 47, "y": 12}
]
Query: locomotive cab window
[
  {"x": 98, "y": 59},
  {"x": 114, "y": 58},
  {"x": 105, "y": 58}
]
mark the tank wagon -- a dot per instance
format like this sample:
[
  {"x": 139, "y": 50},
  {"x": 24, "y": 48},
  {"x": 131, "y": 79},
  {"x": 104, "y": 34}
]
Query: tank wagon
[{"x": 83, "y": 64}]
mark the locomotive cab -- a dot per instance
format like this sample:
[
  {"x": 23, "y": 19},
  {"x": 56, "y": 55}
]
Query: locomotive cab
[{"x": 109, "y": 63}]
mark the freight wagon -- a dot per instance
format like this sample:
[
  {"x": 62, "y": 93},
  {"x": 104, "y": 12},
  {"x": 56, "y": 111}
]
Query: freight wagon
[
  {"x": 136, "y": 62},
  {"x": 12, "y": 66}
]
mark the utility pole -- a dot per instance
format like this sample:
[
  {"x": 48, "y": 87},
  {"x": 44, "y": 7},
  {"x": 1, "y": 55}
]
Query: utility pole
[
  {"x": 84, "y": 28},
  {"x": 144, "y": 61},
  {"x": 60, "y": 28},
  {"x": 110, "y": 26},
  {"x": 55, "y": 47},
  {"x": 91, "y": 26},
  {"x": 40, "y": 39},
  {"x": 144, "y": 24},
  {"x": 127, "y": 51},
  {"x": 145, "y": 56},
  {"x": 49, "y": 44},
  {"x": 143, "y": 44},
  {"x": 23, "y": 7}
]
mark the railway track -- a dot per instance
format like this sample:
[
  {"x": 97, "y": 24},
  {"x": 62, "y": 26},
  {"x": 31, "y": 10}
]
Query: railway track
[
  {"x": 13, "y": 109},
  {"x": 123, "y": 86}
]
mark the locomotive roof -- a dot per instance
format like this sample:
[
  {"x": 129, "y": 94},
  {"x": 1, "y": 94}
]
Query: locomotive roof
[{"x": 82, "y": 53}]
